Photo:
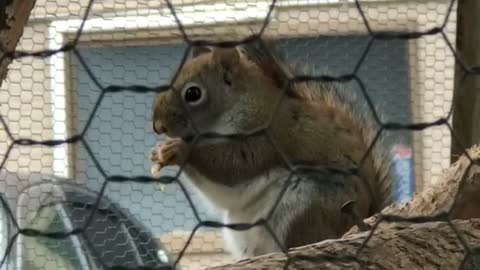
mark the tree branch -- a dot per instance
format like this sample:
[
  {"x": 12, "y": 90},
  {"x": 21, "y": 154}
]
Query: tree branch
[
  {"x": 466, "y": 97},
  {"x": 14, "y": 16},
  {"x": 402, "y": 245}
]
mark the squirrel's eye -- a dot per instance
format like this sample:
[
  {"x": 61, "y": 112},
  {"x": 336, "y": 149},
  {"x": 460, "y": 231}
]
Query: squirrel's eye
[{"x": 193, "y": 95}]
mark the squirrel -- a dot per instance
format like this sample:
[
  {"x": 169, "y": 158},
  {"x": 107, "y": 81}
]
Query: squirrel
[{"x": 314, "y": 127}]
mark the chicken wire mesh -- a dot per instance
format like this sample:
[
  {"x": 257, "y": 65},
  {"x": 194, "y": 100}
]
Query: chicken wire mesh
[{"x": 81, "y": 86}]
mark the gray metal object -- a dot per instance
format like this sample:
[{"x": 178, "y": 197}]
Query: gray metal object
[{"x": 113, "y": 238}]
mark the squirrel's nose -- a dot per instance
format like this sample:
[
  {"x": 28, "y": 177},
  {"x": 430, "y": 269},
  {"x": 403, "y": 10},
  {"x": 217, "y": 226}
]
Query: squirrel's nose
[{"x": 159, "y": 128}]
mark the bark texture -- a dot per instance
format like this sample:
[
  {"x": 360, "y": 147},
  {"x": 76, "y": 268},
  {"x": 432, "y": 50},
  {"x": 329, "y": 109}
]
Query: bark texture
[
  {"x": 466, "y": 96},
  {"x": 14, "y": 16},
  {"x": 435, "y": 243}
]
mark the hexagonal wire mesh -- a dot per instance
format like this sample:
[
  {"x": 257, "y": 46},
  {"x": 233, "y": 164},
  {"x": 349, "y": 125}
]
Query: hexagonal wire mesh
[{"x": 107, "y": 146}]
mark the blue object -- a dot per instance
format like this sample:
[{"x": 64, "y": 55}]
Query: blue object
[{"x": 404, "y": 182}]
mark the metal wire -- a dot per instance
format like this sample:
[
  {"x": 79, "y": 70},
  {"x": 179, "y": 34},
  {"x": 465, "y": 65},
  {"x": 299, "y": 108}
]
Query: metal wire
[{"x": 169, "y": 180}]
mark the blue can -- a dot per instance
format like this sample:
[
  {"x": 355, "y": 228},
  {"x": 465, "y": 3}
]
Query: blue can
[{"x": 403, "y": 176}]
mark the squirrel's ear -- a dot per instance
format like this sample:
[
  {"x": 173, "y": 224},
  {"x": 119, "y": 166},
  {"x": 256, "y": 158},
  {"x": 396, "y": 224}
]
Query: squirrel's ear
[
  {"x": 199, "y": 50},
  {"x": 227, "y": 57},
  {"x": 270, "y": 60}
]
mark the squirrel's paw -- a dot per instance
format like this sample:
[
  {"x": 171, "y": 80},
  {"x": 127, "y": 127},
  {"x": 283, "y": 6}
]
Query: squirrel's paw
[{"x": 171, "y": 152}]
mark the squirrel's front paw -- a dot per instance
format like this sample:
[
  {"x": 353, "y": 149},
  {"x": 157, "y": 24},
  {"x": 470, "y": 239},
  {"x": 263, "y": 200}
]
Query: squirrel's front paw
[{"x": 171, "y": 152}]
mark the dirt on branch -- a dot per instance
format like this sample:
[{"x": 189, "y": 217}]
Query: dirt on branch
[{"x": 432, "y": 244}]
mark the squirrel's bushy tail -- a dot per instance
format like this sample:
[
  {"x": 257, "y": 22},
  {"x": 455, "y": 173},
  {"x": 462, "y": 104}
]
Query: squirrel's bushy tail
[{"x": 377, "y": 161}]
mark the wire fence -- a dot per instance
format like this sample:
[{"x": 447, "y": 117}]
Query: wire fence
[{"x": 109, "y": 179}]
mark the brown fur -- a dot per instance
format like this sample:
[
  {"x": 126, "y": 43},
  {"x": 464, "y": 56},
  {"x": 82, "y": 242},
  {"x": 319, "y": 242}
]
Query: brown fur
[{"x": 309, "y": 123}]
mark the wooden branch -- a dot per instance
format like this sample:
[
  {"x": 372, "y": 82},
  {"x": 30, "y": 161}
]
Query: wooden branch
[
  {"x": 421, "y": 246},
  {"x": 443, "y": 196},
  {"x": 14, "y": 16},
  {"x": 401, "y": 245},
  {"x": 466, "y": 95}
]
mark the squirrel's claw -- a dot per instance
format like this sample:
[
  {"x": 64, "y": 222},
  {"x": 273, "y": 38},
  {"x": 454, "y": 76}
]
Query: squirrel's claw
[{"x": 155, "y": 170}]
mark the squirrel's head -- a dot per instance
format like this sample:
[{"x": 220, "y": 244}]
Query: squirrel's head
[{"x": 218, "y": 90}]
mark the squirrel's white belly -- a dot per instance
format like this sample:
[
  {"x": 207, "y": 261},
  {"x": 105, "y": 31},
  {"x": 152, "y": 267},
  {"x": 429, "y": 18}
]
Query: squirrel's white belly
[
  {"x": 247, "y": 203},
  {"x": 251, "y": 242}
]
